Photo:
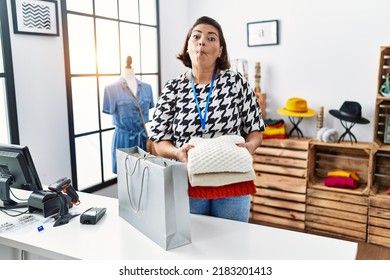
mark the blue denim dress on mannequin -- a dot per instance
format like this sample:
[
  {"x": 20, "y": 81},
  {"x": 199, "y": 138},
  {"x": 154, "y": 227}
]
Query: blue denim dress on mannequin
[{"x": 129, "y": 129}]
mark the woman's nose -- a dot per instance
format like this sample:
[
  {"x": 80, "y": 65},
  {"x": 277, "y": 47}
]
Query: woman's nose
[{"x": 201, "y": 43}]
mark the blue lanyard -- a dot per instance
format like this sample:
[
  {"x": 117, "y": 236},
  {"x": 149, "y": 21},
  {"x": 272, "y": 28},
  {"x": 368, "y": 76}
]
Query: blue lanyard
[{"x": 203, "y": 118}]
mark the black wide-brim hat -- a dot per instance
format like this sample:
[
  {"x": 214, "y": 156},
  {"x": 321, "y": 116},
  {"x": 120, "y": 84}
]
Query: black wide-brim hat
[{"x": 350, "y": 111}]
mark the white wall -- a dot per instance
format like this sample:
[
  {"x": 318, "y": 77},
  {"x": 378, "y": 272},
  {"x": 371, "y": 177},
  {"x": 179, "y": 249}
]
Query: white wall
[
  {"x": 41, "y": 101},
  {"x": 174, "y": 24},
  {"x": 328, "y": 51}
]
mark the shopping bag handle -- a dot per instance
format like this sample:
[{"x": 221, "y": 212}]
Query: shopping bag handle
[
  {"x": 131, "y": 200},
  {"x": 150, "y": 156}
]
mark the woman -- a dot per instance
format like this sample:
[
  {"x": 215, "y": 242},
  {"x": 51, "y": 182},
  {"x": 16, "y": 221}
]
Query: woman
[{"x": 223, "y": 104}]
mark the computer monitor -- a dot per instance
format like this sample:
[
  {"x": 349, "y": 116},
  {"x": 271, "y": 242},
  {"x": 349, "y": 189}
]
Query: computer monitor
[{"x": 17, "y": 170}]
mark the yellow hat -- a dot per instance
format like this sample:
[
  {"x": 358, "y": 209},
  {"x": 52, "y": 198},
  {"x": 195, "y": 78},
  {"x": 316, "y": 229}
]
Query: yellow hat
[{"x": 296, "y": 107}]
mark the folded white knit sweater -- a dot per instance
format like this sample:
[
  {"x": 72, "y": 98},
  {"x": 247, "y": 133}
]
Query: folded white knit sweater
[
  {"x": 217, "y": 155},
  {"x": 220, "y": 178}
]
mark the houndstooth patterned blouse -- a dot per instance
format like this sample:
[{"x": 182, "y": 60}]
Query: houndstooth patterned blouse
[{"x": 233, "y": 109}]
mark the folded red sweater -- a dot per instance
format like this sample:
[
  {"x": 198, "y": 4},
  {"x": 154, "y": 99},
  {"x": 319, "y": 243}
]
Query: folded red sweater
[
  {"x": 235, "y": 189},
  {"x": 340, "y": 182}
]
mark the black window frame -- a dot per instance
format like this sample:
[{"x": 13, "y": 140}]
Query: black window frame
[
  {"x": 9, "y": 75},
  {"x": 72, "y": 135}
]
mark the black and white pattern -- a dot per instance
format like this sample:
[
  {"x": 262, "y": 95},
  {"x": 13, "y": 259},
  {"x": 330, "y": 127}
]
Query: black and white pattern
[
  {"x": 233, "y": 109},
  {"x": 36, "y": 16}
]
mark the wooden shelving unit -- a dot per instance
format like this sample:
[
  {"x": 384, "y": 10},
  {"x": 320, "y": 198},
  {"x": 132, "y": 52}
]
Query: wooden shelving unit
[
  {"x": 338, "y": 212},
  {"x": 379, "y": 202},
  {"x": 290, "y": 175},
  {"x": 382, "y": 103}
]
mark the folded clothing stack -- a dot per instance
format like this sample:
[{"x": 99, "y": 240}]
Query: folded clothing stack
[
  {"x": 219, "y": 161},
  {"x": 274, "y": 129},
  {"x": 341, "y": 179}
]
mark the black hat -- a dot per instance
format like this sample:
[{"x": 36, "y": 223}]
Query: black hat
[{"x": 350, "y": 111}]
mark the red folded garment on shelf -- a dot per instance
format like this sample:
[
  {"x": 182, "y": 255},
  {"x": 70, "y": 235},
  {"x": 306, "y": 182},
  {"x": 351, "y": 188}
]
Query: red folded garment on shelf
[
  {"x": 340, "y": 182},
  {"x": 277, "y": 136}
]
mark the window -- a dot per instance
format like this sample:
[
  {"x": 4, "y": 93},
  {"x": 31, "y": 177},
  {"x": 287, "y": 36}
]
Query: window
[
  {"x": 99, "y": 35},
  {"x": 9, "y": 132}
]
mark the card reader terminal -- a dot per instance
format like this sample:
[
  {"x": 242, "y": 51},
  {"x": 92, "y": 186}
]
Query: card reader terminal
[{"x": 92, "y": 215}]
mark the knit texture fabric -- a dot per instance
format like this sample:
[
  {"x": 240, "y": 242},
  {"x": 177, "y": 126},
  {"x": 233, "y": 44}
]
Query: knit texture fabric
[
  {"x": 219, "y": 154},
  {"x": 278, "y": 136},
  {"x": 236, "y": 189},
  {"x": 218, "y": 168},
  {"x": 274, "y": 129},
  {"x": 220, "y": 178}
]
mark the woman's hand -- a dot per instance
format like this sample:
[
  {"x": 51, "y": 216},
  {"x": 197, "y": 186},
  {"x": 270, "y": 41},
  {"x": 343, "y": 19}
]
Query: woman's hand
[
  {"x": 182, "y": 153},
  {"x": 166, "y": 149},
  {"x": 252, "y": 141},
  {"x": 250, "y": 146}
]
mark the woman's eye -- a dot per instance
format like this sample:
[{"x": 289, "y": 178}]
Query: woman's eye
[
  {"x": 212, "y": 39},
  {"x": 195, "y": 36}
]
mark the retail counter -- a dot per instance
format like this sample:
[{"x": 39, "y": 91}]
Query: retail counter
[{"x": 113, "y": 238}]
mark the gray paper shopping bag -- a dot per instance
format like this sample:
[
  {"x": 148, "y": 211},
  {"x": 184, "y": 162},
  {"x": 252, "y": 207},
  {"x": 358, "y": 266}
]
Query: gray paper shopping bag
[{"x": 153, "y": 197}]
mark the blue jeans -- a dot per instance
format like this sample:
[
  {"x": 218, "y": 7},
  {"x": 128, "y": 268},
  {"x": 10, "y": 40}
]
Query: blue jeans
[{"x": 234, "y": 208}]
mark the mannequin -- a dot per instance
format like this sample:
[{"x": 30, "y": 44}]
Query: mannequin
[
  {"x": 117, "y": 101},
  {"x": 128, "y": 75}
]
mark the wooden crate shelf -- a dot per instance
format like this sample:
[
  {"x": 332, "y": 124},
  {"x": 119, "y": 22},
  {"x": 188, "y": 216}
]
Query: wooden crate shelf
[
  {"x": 338, "y": 212},
  {"x": 378, "y": 231},
  {"x": 290, "y": 175},
  {"x": 382, "y": 111},
  {"x": 379, "y": 203},
  {"x": 281, "y": 182},
  {"x": 384, "y": 66},
  {"x": 382, "y": 103}
]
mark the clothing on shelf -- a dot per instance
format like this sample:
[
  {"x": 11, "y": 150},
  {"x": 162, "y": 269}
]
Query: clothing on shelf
[
  {"x": 340, "y": 182},
  {"x": 274, "y": 129},
  {"x": 341, "y": 179},
  {"x": 327, "y": 135},
  {"x": 343, "y": 173}
]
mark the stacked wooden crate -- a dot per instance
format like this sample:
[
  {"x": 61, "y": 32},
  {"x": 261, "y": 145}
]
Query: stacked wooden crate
[
  {"x": 338, "y": 212},
  {"x": 281, "y": 182},
  {"x": 379, "y": 204},
  {"x": 382, "y": 110}
]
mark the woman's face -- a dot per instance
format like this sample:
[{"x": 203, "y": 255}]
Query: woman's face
[{"x": 204, "y": 46}]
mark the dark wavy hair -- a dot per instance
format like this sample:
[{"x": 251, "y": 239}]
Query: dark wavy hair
[{"x": 222, "y": 61}]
